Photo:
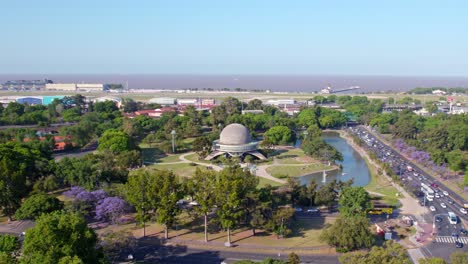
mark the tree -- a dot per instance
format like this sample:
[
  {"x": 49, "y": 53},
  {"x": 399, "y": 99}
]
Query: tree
[
  {"x": 115, "y": 141},
  {"x": 354, "y": 201},
  {"x": 280, "y": 135},
  {"x": 13, "y": 170},
  {"x": 232, "y": 186},
  {"x": 169, "y": 191},
  {"x": 155, "y": 194},
  {"x": 255, "y": 104},
  {"x": 9, "y": 243},
  {"x": 202, "y": 187},
  {"x": 38, "y": 204},
  {"x": 326, "y": 195},
  {"x": 293, "y": 258},
  {"x": 348, "y": 234},
  {"x": 432, "y": 260},
  {"x": 60, "y": 236},
  {"x": 390, "y": 252},
  {"x": 459, "y": 257},
  {"x": 115, "y": 244},
  {"x": 111, "y": 209},
  {"x": 202, "y": 146}
]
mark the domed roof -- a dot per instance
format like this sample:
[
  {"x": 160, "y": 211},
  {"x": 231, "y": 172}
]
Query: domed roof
[{"x": 234, "y": 134}]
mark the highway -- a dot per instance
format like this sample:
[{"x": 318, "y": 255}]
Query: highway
[{"x": 412, "y": 182}]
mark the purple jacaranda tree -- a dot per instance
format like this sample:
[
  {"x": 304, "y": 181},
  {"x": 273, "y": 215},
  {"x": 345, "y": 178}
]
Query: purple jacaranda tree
[
  {"x": 111, "y": 209},
  {"x": 400, "y": 144},
  {"x": 73, "y": 192}
]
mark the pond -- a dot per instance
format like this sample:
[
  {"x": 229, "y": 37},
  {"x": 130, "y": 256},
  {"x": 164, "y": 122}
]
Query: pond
[{"x": 354, "y": 166}]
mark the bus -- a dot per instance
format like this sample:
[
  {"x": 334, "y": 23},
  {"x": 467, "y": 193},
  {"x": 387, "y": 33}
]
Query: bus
[
  {"x": 427, "y": 191},
  {"x": 379, "y": 211},
  {"x": 452, "y": 218}
]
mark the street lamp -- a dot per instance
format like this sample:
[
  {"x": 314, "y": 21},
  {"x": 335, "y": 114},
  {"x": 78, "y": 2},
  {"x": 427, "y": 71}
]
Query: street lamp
[
  {"x": 144, "y": 221},
  {"x": 173, "y": 133},
  {"x": 433, "y": 222}
]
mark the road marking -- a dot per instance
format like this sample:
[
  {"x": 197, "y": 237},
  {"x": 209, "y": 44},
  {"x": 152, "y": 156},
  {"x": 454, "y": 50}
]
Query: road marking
[{"x": 449, "y": 239}]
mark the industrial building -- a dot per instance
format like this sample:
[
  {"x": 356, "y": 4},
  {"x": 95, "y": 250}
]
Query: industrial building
[
  {"x": 25, "y": 85},
  {"x": 163, "y": 100},
  {"x": 86, "y": 87}
]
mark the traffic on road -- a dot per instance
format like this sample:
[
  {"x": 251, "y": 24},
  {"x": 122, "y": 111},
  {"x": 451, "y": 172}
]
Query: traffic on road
[{"x": 439, "y": 200}]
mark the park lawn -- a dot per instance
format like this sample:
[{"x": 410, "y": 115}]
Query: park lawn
[
  {"x": 292, "y": 156},
  {"x": 262, "y": 182},
  {"x": 180, "y": 169},
  {"x": 280, "y": 171},
  {"x": 194, "y": 158},
  {"x": 305, "y": 233},
  {"x": 380, "y": 184}
]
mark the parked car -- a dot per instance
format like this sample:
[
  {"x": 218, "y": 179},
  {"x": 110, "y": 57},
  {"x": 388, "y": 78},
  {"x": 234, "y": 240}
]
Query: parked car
[
  {"x": 432, "y": 208},
  {"x": 313, "y": 210}
]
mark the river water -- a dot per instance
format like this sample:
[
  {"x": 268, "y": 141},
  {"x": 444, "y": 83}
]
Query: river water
[{"x": 354, "y": 166}]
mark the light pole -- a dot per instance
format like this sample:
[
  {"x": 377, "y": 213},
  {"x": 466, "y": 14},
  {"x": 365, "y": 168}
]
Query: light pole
[
  {"x": 144, "y": 221},
  {"x": 433, "y": 222},
  {"x": 173, "y": 133}
]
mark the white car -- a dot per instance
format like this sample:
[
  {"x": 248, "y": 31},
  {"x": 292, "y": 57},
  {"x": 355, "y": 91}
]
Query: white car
[
  {"x": 437, "y": 196},
  {"x": 445, "y": 193},
  {"x": 443, "y": 205},
  {"x": 463, "y": 210},
  {"x": 432, "y": 208},
  {"x": 298, "y": 209},
  {"x": 194, "y": 203}
]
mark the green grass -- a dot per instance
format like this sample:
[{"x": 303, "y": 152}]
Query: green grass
[
  {"x": 194, "y": 158},
  {"x": 181, "y": 169},
  {"x": 380, "y": 184},
  {"x": 292, "y": 156},
  {"x": 295, "y": 171},
  {"x": 262, "y": 182}
]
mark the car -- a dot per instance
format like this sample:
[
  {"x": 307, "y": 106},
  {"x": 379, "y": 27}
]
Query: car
[
  {"x": 458, "y": 244},
  {"x": 437, "y": 196},
  {"x": 298, "y": 209},
  {"x": 441, "y": 195},
  {"x": 194, "y": 203},
  {"x": 313, "y": 210},
  {"x": 443, "y": 205},
  {"x": 432, "y": 208},
  {"x": 464, "y": 232},
  {"x": 445, "y": 193},
  {"x": 455, "y": 235},
  {"x": 415, "y": 174},
  {"x": 435, "y": 185},
  {"x": 449, "y": 201},
  {"x": 463, "y": 211},
  {"x": 438, "y": 219}
]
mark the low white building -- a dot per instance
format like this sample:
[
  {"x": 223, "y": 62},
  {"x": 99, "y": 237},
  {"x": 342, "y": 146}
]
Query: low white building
[
  {"x": 60, "y": 86},
  {"x": 438, "y": 92},
  {"x": 163, "y": 100},
  {"x": 187, "y": 101}
]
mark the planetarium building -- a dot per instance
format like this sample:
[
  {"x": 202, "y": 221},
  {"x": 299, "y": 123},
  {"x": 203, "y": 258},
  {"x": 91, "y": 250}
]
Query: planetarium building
[{"x": 235, "y": 141}]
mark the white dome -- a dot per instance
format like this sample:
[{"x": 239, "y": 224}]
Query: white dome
[{"x": 234, "y": 134}]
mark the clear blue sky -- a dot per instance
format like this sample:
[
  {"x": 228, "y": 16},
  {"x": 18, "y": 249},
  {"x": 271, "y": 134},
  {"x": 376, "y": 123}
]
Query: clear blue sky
[{"x": 398, "y": 37}]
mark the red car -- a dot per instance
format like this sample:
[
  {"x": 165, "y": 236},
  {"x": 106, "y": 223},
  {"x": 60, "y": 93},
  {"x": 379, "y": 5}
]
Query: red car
[{"x": 435, "y": 185}]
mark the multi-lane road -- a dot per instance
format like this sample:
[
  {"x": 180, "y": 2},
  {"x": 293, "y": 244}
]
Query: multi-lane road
[{"x": 412, "y": 179}]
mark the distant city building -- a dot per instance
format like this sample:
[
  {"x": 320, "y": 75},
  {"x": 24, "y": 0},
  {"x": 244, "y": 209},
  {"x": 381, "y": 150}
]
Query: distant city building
[
  {"x": 207, "y": 102},
  {"x": 25, "y": 85},
  {"x": 235, "y": 141},
  {"x": 60, "y": 87},
  {"x": 29, "y": 100},
  {"x": 439, "y": 92},
  {"x": 163, "y": 100},
  {"x": 422, "y": 112},
  {"x": 187, "y": 101},
  {"x": 84, "y": 87},
  {"x": 281, "y": 102}
]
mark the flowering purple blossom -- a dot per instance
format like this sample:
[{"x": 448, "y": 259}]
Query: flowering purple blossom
[
  {"x": 74, "y": 191},
  {"x": 99, "y": 195},
  {"x": 111, "y": 209}
]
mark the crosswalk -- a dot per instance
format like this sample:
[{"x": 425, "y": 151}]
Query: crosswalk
[{"x": 449, "y": 239}]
